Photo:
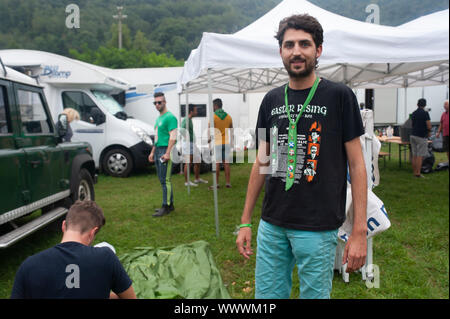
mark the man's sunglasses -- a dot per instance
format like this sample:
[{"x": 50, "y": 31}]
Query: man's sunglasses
[{"x": 158, "y": 102}]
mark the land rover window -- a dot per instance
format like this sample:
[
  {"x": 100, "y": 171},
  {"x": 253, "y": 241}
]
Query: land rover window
[
  {"x": 81, "y": 102},
  {"x": 34, "y": 118},
  {"x": 5, "y": 126}
]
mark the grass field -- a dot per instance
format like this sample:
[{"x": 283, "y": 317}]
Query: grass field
[{"x": 413, "y": 255}]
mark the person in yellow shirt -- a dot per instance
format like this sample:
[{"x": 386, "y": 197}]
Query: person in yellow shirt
[{"x": 223, "y": 125}]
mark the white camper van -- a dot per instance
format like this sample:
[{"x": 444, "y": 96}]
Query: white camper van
[{"x": 120, "y": 143}]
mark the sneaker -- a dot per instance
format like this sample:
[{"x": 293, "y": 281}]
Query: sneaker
[
  {"x": 419, "y": 176},
  {"x": 162, "y": 211},
  {"x": 171, "y": 208},
  {"x": 190, "y": 184},
  {"x": 212, "y": 187},
  {"x": 228, "y": 185},
  {"x": 200, "y": 181}
]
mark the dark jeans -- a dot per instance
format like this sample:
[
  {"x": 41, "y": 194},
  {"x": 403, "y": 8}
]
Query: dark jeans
[{"x": 164, "y": 171}]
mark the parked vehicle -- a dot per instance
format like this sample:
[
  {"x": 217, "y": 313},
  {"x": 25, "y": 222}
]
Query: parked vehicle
[
  {"x": 37, "y": 170},
  {"x": 120, "y": 143}
]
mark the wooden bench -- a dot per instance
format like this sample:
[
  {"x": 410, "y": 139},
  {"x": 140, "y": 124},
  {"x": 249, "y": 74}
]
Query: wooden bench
[{"x": 383, "y": 155}]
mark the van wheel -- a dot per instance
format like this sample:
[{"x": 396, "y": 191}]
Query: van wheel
[
  {"x": 117, "y": 162},
  {"x": 84, "y": 187}
]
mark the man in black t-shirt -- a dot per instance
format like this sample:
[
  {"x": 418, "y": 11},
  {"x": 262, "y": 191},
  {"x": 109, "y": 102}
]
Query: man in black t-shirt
[
  {"x": 73, "y": 269},
  {"x": 308, "y": 131},
  {"x": 421, "y": 128}
]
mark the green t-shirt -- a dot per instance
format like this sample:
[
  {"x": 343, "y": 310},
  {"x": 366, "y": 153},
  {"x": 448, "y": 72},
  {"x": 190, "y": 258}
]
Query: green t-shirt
[
  {"x": 191, "y": 129},
  {"x": 164, "y": 124}
]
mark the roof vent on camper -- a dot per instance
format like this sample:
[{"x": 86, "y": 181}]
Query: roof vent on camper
[{"x": 26, "y": 71}]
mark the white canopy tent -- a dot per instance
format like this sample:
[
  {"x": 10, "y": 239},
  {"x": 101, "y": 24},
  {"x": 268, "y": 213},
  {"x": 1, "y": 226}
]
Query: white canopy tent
[{"x": 359, "y": 54}]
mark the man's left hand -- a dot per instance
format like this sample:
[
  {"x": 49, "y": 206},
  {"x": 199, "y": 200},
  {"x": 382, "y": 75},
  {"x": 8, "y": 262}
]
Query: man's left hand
[
  {"x": 355, "y": 252},
  {"x": 166, "y": 157}
]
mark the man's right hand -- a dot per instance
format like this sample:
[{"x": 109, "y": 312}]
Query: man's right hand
[
  {"x": 255, "y": 184},
  {"x": 243, "y": 242},
  {"x": 151, "y": 157}
]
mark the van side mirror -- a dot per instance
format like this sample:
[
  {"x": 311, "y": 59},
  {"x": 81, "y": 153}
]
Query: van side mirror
[{"x": 62, "y": 125}]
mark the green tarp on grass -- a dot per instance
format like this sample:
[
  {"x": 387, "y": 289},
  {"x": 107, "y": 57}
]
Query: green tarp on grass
[{"x": 184, "y": 271}]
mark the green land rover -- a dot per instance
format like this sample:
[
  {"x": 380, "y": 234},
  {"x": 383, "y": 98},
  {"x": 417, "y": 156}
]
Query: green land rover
[{"x": 37, "y": 170}]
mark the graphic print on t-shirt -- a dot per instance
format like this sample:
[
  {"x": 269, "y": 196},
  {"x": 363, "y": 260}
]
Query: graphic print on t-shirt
[
  {"x": 313, "y": 150},
  {"x": 280, "y": 147},
  {"x": 314, "y": 139},
  {"x": 308, "y": 150},
  {"x": 310, "y": 170}
]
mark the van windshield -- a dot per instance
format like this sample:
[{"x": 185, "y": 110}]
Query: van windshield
[{"x": 111, "y": 105}]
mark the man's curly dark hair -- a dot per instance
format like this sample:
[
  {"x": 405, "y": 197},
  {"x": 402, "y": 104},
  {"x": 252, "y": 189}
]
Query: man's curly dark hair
[{"x": 303, "y": 22}]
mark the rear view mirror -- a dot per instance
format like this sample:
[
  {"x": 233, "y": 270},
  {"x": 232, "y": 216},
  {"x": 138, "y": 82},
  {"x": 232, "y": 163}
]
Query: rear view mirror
[{"x": 62, "y": 125}]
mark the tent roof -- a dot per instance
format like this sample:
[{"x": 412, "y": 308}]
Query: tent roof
[{"x": 357, "y": 53}]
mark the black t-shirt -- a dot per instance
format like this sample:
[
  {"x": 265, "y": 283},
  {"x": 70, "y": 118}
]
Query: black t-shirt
[
  {"x": 419, "y": 122},
  {"x": 71, "y": 270},
  {"x": 316, "y": 201}
]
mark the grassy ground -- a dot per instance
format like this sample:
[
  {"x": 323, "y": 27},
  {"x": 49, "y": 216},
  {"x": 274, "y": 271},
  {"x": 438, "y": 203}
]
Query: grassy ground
[{"x": 412, "y": 256}]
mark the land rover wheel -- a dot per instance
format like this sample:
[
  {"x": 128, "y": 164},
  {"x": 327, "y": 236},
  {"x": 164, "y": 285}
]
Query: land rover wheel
[
  {"x": 117, "y": 162},
  {"x": 84, "y": 186}
]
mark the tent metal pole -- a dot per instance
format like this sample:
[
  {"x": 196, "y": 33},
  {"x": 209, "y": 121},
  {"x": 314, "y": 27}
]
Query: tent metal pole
[
  {"x": 406, "y": 103},
  {"x": 405, "y": 85},
  {"x": 188, "y": 159},
  {"x": 213, "y": 156},
  {"x": 396, "y": 108},
  {"x": 179, "y": 106},
  {"x": 180, "y": 119}
]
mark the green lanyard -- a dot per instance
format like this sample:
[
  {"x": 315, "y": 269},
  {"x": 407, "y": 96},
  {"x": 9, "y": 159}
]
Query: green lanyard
[{"x": 292, "y": 134}]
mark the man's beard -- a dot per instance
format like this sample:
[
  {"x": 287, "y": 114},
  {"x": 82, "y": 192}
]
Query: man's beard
[{"x": 310, "y": 65}]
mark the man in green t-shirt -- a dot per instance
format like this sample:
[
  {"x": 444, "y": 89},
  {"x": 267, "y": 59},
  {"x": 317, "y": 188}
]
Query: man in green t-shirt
[
  {"x": 188, "y": 148},
  {"x": 165, "y": 139}
]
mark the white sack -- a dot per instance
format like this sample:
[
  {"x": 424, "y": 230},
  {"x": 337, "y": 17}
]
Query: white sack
[{"x": 377, "y": 218}]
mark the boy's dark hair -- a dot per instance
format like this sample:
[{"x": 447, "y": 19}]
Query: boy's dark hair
[
  {"x": 422, "y": 103},
  {"x": 157, "y": 94},
  {"x": 218, "y": 102},
  {"x": 84, "y": 215},
  {"x": 303, "y": 22}
]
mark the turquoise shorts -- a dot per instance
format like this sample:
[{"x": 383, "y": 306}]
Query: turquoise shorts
[{"x": 280, "y": 249}]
